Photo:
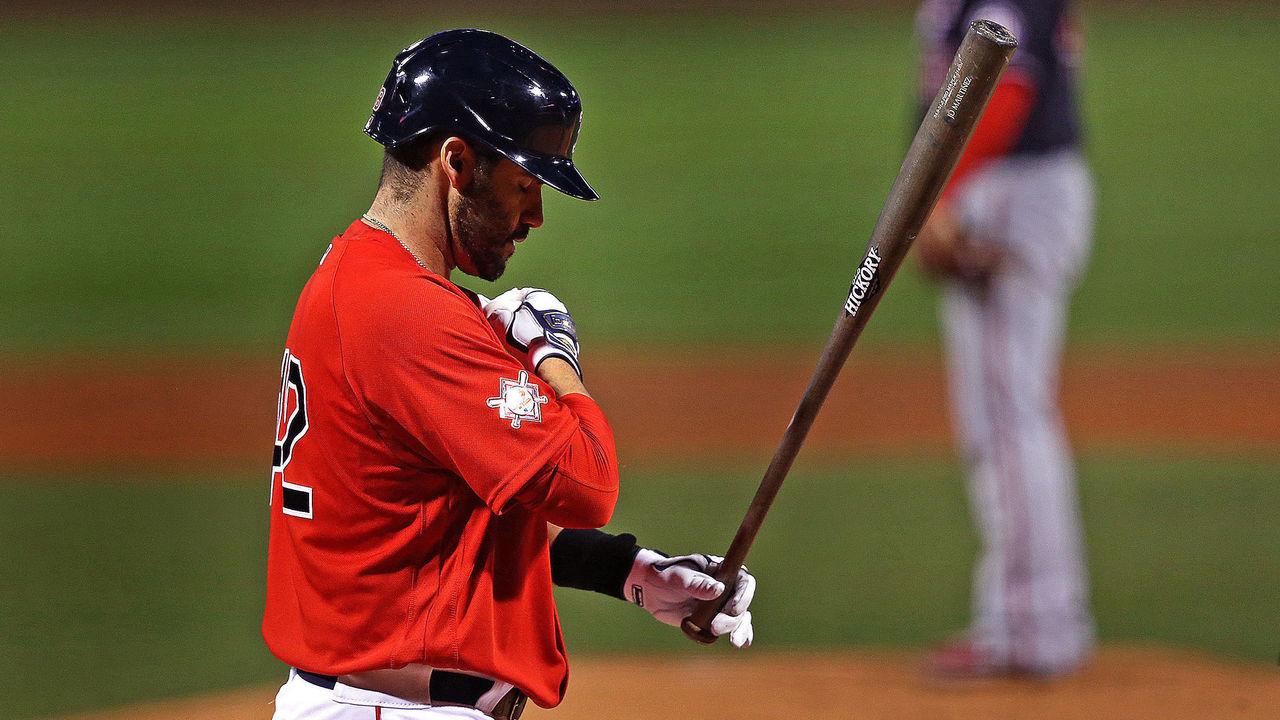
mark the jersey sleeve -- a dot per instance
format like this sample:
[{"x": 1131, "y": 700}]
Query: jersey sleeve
[
  {"x": 433, "y": 377},
  {"x": 579, "y": 487},
  {"x": 999, "y": 129},
  {"x": 1006, "y": 115}
]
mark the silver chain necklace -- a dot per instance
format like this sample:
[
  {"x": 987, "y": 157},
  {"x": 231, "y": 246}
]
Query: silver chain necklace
[{"x": 382, "y": 226}]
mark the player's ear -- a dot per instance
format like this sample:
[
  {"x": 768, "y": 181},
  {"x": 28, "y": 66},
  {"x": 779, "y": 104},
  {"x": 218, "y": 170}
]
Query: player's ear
[{"x": 458, "y": 162}]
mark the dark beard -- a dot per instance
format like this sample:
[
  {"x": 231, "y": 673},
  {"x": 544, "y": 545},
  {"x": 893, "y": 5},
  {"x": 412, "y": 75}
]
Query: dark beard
[{"x": 481, "y": 232}]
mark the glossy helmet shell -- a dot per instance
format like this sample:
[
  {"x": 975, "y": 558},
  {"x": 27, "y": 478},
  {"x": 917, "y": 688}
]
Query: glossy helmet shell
[{"x": 489, "y": 89}]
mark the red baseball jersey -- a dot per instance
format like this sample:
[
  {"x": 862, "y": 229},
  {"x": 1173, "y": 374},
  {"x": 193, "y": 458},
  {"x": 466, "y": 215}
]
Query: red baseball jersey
[{"x": 415, "y": 471}]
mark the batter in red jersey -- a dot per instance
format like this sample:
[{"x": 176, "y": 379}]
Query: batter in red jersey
[{"x": 431, "y": 442}]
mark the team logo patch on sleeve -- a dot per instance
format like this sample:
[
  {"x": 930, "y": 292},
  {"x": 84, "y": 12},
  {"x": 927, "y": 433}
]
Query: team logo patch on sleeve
[{"x": 518, "y": 400}]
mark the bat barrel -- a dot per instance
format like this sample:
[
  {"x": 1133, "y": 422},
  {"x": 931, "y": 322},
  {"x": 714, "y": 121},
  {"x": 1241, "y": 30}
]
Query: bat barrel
[{"x": 970, "y": 81}]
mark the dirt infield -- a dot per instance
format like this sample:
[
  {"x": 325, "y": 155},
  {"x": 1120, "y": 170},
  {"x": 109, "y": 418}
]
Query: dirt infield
[
  {"x": 157, "y": 410},
  {"x": 1123, "y": 683}
]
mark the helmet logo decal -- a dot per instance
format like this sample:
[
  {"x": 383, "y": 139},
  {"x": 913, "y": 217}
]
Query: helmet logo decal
[{"x": 381, "y": 94}]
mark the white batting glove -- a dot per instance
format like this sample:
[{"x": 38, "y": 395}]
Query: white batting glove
[
  {"x": 535, "y": 322},
  {"x": 671, "y": 587}
]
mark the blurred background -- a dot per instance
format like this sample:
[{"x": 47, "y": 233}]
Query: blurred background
[{"x": 170, "y": 174}]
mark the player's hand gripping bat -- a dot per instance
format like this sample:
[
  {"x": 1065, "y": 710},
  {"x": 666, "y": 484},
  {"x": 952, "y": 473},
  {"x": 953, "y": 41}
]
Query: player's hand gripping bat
[{"x": 983, "y": 56}]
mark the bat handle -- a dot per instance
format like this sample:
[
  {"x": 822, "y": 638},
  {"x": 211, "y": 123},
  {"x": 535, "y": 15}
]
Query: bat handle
[
  {"x": 697, "y": 627},
  {"x": 695, "y": 632}
]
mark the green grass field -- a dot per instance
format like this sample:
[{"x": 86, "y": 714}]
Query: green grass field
[
  {"x": 142, "y": 587},
  {"x": 172, "y": 182}
]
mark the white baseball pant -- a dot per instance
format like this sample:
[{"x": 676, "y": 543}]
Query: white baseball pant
[{"x": 1003, "y": 345}]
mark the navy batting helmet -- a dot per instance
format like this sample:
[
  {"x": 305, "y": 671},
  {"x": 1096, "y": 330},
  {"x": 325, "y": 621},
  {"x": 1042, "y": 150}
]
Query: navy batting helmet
[{"x": 492, "y": 90}]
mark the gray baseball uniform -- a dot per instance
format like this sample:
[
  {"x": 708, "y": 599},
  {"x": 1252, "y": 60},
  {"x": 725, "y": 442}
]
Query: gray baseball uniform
[{"x": 1032, "y": 197}]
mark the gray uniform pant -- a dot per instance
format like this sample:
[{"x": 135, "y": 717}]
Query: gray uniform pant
[{"x": 1003, "y": 344}]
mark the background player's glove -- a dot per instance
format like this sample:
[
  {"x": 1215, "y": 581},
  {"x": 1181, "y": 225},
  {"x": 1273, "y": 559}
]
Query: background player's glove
[
  {"x": 946, "y": 251},
  {"x": 670, "y": 588},
  {"x": 535, "y": 322}
]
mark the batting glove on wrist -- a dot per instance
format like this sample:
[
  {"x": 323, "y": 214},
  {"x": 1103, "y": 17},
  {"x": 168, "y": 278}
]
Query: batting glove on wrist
[
  {"x": 535, "y": 322},
  {"x": 671, "y": 587}
]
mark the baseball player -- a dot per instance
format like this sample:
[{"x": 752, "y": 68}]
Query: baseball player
[
  {"x": 1008, "y": 242},
  {"x": 431, "y": 442}
]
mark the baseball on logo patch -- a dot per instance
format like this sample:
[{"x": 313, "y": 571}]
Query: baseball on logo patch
[{"x": 518, "y": 400}]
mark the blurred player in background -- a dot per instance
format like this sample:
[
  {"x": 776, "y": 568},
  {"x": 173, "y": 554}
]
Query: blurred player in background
[{"x": 1008, "y": 242}]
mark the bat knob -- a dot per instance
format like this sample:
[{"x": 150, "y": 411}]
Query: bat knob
[{"x": 696, "y": 633}]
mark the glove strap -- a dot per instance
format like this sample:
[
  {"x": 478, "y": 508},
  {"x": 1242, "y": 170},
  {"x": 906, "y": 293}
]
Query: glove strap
[
  {"x": 546, "y": 349},
  {"x": 593, "y": 560}
]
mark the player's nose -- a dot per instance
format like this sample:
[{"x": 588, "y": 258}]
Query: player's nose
[{"x": 532, "y": 215}]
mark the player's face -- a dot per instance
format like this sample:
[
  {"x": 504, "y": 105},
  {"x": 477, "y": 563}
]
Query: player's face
[{"x": 493, "y": 214}]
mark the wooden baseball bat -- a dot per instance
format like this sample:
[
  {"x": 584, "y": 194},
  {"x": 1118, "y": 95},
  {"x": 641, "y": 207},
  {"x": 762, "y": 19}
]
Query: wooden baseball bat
[{"x": 981, "y": 61}]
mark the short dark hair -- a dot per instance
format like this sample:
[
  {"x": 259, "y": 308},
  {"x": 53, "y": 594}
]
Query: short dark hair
[{"x": 402, "y": 164}]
